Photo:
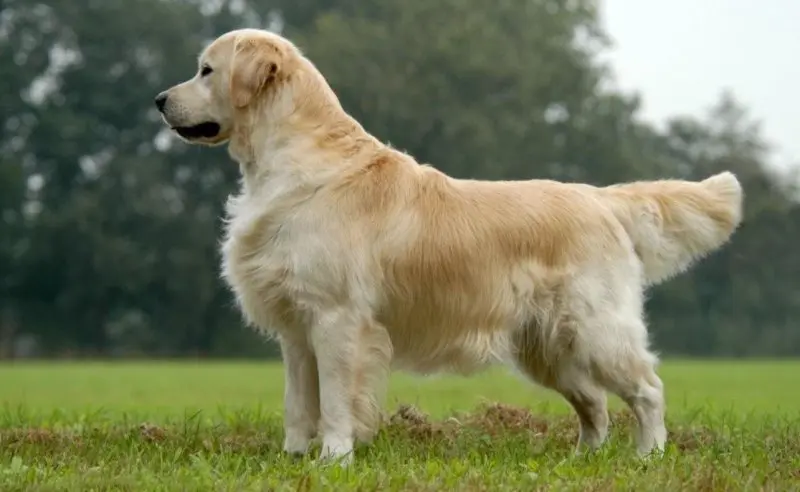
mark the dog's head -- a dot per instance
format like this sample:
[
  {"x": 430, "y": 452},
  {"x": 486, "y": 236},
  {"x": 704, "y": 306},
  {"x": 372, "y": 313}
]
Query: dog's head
[{"x": 234, "y": 73}]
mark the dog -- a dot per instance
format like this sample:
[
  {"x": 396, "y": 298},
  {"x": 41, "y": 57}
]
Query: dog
[{"x": 359, "y": 260}]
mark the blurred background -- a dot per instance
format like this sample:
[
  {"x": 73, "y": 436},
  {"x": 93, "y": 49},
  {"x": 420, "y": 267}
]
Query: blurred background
[{"x": 109, "y": 228}]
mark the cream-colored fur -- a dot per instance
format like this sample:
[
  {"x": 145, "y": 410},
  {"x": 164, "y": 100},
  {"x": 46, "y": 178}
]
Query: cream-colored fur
[{"x": 359, "y": 259}]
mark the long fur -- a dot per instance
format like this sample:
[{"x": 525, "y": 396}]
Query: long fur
[
  {"x": 360, "y": 259},
  {"x": 675, "y": 223}
]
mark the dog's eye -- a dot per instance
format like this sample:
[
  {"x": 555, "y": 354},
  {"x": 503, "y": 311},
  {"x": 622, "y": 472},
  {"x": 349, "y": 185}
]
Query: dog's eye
[{"x": 205, "y": 70}]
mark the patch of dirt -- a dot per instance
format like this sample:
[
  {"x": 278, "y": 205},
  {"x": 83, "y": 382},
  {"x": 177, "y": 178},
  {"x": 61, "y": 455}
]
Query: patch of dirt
[
  {"x": 45, "y": 438},
  {"x": 497, "y": 417},
  {"x": 152, "y": 433},
  {"x": 30, "y": 436},
  {"x": 492, "y": 419},
  {"x": 418, "y": 425},
  {"x": 692, "y": 439}
]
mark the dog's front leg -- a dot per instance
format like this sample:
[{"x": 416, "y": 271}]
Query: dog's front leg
[
  {"x": 334, "y": 338},
  {"x": 301, "y": 394}
]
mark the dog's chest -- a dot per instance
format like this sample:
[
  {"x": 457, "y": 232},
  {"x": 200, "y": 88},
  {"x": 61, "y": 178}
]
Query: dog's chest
[
  {"x": 259, "y": 263},
  {"x": 277, "y": 269}
]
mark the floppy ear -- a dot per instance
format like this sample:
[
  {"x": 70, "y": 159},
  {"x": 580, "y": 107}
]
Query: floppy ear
[{"x": 255, "y": 62}]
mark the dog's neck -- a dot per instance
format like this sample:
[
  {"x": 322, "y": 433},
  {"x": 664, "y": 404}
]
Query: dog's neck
[{"x": 283, "y": 143}]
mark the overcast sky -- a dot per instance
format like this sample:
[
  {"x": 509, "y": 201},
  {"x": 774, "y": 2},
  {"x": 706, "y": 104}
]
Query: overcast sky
[{"x": 680, "y": 55}]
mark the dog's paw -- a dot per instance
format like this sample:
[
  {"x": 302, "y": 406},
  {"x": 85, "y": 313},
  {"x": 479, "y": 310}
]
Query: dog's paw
[
  {"x": 652, "y": 455},
  {"x": 296, "y": 443},
  {"x": 336, "y": 452}
]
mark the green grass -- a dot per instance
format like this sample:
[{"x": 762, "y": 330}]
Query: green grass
[{"x": 217, "y": 426}]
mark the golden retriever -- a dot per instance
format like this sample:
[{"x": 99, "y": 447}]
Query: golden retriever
[{"x": 358, "y": 259}]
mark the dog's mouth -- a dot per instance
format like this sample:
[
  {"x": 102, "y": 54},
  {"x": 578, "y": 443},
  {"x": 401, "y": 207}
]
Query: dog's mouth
[{"x": 208, "y": 129}]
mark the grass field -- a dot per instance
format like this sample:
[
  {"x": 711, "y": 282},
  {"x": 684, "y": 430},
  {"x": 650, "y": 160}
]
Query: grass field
[{"x": 217, "y": 426}]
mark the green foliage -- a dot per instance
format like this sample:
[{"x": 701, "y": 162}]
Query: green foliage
[{"x": 109, "y": 229}]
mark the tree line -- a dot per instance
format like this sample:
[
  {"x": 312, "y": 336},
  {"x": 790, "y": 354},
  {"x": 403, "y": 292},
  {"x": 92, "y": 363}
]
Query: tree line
[{"x": 109, "y": 227}]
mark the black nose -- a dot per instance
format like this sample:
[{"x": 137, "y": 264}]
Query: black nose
[{"x": 161, "y": 100}]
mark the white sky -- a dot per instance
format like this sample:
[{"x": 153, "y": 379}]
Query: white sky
[{"x": 680, "y": 55}]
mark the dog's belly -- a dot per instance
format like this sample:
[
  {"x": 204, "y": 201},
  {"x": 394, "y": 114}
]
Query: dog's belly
[
  {"x": 435, "y": 329},
  {"x": 436, "y": 349}
]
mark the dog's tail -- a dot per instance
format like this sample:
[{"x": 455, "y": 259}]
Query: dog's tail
[{"x": 674, "y": 223}]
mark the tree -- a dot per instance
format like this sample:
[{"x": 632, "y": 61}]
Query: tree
[
  {"x": 123, "y": 243},
  {"x": 741, "y": 300},
  {"x": 501, "y": 90}
]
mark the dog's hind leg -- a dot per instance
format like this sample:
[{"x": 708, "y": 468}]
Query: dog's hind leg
[
  {"x": 589, "y": 401},
  {"x": 630, "y": 373},
  {"x": 561, "y": 372}
]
